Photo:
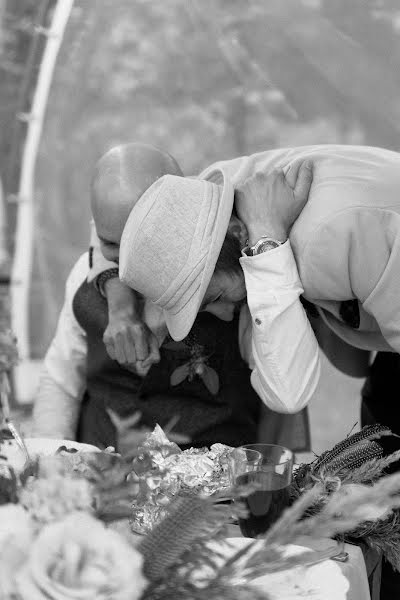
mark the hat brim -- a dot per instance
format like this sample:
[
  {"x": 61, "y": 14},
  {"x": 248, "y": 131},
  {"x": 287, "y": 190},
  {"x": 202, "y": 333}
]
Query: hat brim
[{"x": 181, "y": 320}]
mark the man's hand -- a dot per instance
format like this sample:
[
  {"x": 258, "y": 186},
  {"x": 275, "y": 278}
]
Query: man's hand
[
  {"x": 127, "y": 338},
  {"x": 268, "y": 205},
  {"x": 131, "y": 343}
]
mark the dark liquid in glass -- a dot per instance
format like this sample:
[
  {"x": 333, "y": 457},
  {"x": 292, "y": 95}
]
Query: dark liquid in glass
[{"x": 265, "y": 505}]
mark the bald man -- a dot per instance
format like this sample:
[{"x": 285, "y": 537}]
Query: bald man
[{"x": 120, "y": 178}]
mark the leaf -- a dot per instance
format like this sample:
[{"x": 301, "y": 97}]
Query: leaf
[
  {"x": 211, "y": 380},
  {"x": 180, "y": 374}
]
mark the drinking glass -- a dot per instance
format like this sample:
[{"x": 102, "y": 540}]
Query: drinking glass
[{"x": 270, "y": 467}]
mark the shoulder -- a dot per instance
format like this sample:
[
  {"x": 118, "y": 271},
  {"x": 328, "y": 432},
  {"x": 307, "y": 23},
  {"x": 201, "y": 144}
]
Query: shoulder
[{"x": 347, "y": 244}]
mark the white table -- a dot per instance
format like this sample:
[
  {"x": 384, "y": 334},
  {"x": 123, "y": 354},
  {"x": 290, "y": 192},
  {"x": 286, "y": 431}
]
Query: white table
[{"x": 329, "y": 573}]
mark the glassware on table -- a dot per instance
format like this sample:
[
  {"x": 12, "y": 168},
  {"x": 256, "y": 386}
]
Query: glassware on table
[{"x": 270, "y": 467}]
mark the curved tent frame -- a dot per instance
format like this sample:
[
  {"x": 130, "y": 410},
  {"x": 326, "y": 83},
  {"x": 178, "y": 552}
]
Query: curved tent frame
[{"x": 24, "y": 235}]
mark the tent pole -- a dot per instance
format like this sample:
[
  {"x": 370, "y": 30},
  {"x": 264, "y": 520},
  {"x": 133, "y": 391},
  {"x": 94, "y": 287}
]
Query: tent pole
[{"x": 24, "y": 235}]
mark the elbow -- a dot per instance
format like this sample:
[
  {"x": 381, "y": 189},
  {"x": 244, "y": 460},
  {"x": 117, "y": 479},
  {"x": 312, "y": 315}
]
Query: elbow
[
  {"x": 286, "y": 403},
  {"x": 292, "y": 397}
]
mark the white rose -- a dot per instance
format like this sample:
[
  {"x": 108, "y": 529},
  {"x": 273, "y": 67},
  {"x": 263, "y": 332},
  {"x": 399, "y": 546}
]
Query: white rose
[{"x": 80, "y": 559}]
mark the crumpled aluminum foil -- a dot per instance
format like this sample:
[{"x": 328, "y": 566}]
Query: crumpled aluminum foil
[{"x": 166, "y": 471}]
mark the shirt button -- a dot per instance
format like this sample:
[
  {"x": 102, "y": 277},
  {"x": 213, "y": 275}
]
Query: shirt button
[{"x": 258, "y": 321}]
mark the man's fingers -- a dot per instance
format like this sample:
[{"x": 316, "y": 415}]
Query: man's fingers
[
  {"x": 130, "y": 348},
  {"x": 304, "y": 180},
  {"x": 141, "y": 345},
  {"x": 297, "y": 171},
  {"x": 292, "y": 173},
  {"x": 109, "y": 344},
  {"x": 154, "y": 349},
  {"x": 121, "y": 352},
  {"x": 143, "y": 366},
  {"x": 154, "y": 355}
]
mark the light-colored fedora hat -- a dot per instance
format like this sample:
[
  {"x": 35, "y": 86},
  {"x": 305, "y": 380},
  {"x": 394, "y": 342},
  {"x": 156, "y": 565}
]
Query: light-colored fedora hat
[{"x": 171, "y": 243}]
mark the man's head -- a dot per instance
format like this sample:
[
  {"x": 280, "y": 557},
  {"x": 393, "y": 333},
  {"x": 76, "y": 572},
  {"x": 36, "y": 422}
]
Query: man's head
[
  {"x": 120, "y": 178},
  {"x": 181, "y": 247}
]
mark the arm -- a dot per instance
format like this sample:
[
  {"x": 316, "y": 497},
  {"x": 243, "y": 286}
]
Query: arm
[
  {"x": 62, "y": 383},
  {"x": 284, "y": 353},
  {"x": 127, "y": 338},
  {"x": 282, "y": 350},
  {"x": 55, "y": 411}
]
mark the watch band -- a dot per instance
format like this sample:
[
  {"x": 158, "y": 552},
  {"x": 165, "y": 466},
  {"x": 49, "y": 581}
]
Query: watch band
[
  {"x": 264, "y": 244},
  {"x": 105, "y": 276}
]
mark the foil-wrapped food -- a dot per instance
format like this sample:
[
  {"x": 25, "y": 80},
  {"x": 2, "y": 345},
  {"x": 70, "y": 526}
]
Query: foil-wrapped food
[{"x": 166, "y": 471}]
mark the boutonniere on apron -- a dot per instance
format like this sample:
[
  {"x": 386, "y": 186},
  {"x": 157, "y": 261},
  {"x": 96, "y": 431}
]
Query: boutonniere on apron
[{"x": 196, "y": 366}]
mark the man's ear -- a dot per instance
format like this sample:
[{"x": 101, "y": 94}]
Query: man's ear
[{"x": 238, "y": 229}]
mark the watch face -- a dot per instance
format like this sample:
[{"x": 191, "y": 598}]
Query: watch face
[{"x": 267, "y": 245}]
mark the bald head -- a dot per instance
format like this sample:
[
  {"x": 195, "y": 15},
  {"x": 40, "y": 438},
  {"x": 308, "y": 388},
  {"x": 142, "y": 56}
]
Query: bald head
[{"x": 120, "y": 177}]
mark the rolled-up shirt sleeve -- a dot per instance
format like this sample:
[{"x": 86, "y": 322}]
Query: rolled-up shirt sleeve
[{"x": 284, "y": 353}]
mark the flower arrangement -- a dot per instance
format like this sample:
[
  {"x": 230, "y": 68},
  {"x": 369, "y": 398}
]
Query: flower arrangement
[{"x": 63, "y": 523}]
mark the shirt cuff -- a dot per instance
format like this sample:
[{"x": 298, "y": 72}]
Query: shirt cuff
[{"x": 270, "y": 270}]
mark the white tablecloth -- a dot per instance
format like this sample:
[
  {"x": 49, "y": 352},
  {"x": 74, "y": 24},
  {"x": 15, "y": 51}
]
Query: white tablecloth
[
  {"x": 354, "y": 570},
  {"x": 333, "y": 580}
]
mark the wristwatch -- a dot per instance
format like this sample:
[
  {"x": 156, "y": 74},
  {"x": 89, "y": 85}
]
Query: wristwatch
[{"x": 263, "y": 245}]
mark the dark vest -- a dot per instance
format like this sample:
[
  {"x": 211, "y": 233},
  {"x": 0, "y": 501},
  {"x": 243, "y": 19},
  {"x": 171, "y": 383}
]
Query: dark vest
[{"x": 228, "y": 416}]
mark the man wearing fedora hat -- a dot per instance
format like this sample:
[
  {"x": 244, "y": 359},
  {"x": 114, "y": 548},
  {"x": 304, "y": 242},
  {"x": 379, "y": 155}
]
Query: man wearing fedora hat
[
  {"x": 281, "y": 378},
  {"x": 340, "y": 254}
]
